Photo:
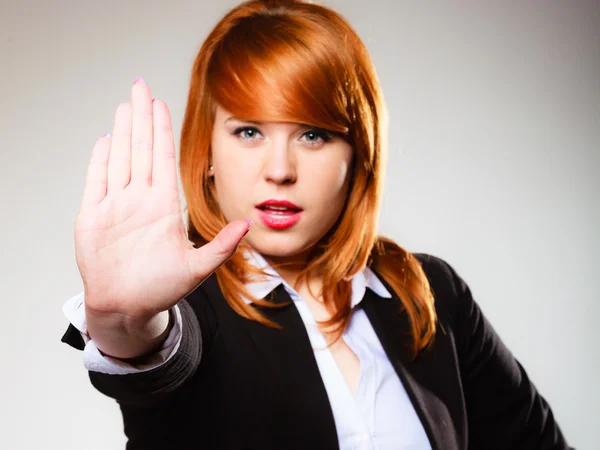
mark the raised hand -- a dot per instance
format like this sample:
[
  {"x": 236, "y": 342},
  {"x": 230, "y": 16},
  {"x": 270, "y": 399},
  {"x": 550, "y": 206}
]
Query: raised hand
[{"x": 130, "y": 239}]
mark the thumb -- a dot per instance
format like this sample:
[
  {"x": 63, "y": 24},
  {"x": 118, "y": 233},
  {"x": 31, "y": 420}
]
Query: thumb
[{"x": 208, "y": 258}]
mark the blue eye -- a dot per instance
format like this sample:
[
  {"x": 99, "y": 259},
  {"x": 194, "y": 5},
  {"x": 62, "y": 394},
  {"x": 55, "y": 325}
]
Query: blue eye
[
  {"x": 314, "y": 134},
  {"x": 246, "y": 132}
]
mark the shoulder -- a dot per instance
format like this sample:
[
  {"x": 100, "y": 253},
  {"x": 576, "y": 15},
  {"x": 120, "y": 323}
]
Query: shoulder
[
  {"x": 451, "y": 293},
  {"x": 441, "y": 275}
]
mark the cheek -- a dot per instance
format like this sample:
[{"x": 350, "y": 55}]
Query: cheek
[
  {"x": 231, "y": 188},
  {"x": 228, "y": 178},
  {"x": 225, "y": 159},
  {"x": 235, "y": 182},
  {"x": 344, "y": 175},
  {"x": 332, "y": 177}
]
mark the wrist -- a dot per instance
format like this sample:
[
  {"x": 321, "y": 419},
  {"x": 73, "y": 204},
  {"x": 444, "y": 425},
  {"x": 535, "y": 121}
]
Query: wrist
[{"x": 125, "y": 337}]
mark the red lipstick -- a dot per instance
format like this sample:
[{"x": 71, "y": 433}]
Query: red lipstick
[{"x": 279, "y": 214}]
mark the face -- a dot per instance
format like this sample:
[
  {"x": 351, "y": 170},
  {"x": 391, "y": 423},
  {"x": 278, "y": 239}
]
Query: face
[{"x": 290, "y": 179}]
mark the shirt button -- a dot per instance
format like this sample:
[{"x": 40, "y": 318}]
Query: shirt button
[{"x": 363, "y": 437}]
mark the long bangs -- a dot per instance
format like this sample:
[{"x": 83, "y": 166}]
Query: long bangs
[{"x": 283, "y": 68}]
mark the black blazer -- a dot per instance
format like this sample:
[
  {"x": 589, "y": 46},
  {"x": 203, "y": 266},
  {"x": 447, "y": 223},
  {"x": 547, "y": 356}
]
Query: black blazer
[{"x": 236, "y": 384}]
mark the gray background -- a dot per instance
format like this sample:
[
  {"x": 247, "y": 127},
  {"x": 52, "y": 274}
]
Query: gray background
[{"x": 493, "y": 165}]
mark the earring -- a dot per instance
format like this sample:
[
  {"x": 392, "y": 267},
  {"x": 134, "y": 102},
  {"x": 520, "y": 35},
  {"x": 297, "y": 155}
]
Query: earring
[{"x": 211, "y": 170}]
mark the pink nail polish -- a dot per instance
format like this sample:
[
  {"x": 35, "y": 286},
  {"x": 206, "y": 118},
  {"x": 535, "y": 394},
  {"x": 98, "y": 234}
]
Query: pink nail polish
[
  {"x": 249, "y": 223},
  {"x": 139, "y": 80},
  {"x": 106, "y": 135}
]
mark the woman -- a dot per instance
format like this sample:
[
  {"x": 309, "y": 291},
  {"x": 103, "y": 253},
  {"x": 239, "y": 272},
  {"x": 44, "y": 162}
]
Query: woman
[{"x": 315, "y": 333}]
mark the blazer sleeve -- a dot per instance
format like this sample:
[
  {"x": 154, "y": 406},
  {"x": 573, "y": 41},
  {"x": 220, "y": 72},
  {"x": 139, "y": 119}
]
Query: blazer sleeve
[
  {"x": 504, "y": 408},
  {"x": 155, "y": 385}
]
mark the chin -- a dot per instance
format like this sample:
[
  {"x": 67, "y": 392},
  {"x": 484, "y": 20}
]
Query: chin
[{"x": 279, "y": 245}]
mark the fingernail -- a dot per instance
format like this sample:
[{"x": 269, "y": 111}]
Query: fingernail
[
  {"x": 106, "y": 135},
  {"x": 249, "y": 223},
  {"x": 139, "y": 80}
]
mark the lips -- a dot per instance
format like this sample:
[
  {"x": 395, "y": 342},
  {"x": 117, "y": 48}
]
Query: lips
[
  {"x": 279, "y": 214},
  {"x": 278, "y": 205}
]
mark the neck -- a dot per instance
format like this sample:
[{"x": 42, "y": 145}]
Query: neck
[{"x": 289, "y": 268}]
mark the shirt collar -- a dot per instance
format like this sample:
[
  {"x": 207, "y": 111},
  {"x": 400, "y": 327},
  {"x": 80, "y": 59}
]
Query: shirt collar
[{"x": 364, "y": 279}]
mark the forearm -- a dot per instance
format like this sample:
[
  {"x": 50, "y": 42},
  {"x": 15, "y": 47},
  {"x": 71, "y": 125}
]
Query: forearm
[{"x": 124, "y": 337}]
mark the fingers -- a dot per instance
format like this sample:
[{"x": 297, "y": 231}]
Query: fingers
[
  {"x": 211, "y": 256},
  {"x": 96, "y": 178},
  {"x": 141, "y": 133},
  {"x": 119, "y": 162},
  {"x": 164, "y": 163},
  {"x": 130, "y": 156}
]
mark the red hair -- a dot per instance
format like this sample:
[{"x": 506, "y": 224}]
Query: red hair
[{"x": 293, "y": 61}]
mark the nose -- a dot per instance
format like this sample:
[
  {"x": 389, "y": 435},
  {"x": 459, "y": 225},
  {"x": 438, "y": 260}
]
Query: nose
[{"x": 280, "y": 162}]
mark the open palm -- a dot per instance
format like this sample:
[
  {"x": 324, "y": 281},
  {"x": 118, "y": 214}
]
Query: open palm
[{"x": 131, "y": 242}]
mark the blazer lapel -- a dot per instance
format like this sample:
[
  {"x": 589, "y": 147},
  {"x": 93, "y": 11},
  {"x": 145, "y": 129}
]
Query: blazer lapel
[
  {"x": 288, "y": 356},
  {"x": 423, "y": 378}
]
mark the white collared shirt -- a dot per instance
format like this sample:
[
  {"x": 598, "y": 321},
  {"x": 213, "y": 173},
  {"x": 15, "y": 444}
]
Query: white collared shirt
[{"x": 379, "y": 416}]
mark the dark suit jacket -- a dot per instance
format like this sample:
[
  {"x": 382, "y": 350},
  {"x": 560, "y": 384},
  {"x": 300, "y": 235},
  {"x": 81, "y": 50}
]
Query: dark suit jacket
[{"x": 236, "y": 384}]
